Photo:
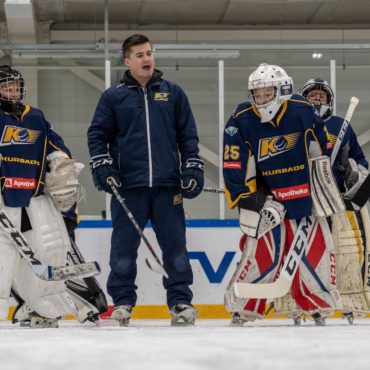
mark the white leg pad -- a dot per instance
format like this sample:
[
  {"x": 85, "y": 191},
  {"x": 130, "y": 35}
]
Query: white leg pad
[
  {"x": 286, "y": 306},
  {"x": 248, "y": 271},
  {"x": 9, "y": 259},
  {"x": 349, "y": 247},
  {"x": 49, "y": 239}
]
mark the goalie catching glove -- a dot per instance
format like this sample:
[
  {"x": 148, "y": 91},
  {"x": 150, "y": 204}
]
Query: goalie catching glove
[
  {"x": 259, "y": 214},
  {"x": 61, "y": 182},
  {"x": 357, "y": 182}
]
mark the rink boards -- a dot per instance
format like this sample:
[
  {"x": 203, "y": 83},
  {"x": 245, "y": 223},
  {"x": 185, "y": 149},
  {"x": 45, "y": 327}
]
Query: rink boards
[{"x": 213, "y": 247}]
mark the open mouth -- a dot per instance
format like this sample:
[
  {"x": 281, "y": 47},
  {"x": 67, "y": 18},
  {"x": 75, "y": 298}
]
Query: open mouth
[{"x": 147, "y": 67}]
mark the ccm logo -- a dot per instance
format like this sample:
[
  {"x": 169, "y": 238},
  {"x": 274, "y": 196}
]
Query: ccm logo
[
  {"x": 19, "y": 183},
  {"x": 333, "y": 273}
]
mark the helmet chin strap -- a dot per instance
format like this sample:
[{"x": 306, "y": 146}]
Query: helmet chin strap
[
  {"x": 323, "y": 110},
  {"x": 16, "y": 108}
]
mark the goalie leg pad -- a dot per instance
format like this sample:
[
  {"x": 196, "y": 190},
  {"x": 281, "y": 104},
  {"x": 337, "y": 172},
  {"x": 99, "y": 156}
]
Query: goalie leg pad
[
  {"x": 259, "y": 262},
  {"x": 314, "y": 286},
  {"x": 49, "y": 239},
  {"x": 9, "y": 259},
  {"x": 85, "y": 310},
  {"x": 349, "y": 239},
  {"x": 325, "y": 194}
]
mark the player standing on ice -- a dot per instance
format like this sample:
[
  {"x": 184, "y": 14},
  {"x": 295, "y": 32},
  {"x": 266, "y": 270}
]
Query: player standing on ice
[
  {"x": 142, "y": 132},
  {"x": 29, "y": 148},
  {"x": 349, "y": 233},
  {"x": 270, "y": 144}
]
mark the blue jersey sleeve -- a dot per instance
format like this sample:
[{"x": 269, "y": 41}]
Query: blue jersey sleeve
[{"x": 239, "y": 167}]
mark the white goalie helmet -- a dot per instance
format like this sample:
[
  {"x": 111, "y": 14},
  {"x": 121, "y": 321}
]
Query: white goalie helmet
[{"x": 267, "y": 75}]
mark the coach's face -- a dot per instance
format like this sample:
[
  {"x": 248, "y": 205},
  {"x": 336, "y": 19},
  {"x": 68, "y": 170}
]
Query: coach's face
[{"x": 140, "y": 61}]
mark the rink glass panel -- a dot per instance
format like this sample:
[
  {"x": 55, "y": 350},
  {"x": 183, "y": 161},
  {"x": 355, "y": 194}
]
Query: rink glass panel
[{"x": 68, "y": 102}]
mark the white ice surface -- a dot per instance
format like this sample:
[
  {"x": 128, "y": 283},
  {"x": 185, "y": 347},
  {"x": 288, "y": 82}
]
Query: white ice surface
[{"x": 211, "y": 344}]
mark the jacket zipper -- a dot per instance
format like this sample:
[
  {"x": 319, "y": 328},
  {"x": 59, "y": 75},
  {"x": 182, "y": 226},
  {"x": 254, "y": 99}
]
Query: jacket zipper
[{"x": 149, "y": 141}]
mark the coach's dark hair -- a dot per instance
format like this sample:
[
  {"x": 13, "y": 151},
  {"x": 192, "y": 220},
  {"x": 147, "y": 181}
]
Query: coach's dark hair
[{"x": 131, "y": 41}]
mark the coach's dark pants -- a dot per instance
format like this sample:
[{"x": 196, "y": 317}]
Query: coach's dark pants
[{"x": 162, "y": 207}]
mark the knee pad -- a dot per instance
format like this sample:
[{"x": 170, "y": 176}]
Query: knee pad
[{"x": 48, "y": 236}]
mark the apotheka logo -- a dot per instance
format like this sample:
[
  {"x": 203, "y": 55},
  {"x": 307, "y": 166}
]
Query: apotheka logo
[
  {"x": 273, "y": 146},
  {"x": 13, "y": 135},
  {"x": 19, "y": 183}
]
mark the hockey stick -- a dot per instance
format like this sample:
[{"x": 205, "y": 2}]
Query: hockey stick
[
  {"x": 45, "y": 272},
  {"x": 94, "y": 289},
  {"x": 213, "y": 190},
  {"x": 154, "y": 264},
  {"x": 281, "y": 286}
]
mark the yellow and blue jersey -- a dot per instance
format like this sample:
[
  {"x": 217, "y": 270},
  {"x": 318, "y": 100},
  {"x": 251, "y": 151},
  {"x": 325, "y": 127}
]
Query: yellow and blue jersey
[
  {"x": 274, "y": 154},
  {"x": 25, "y": 143}
]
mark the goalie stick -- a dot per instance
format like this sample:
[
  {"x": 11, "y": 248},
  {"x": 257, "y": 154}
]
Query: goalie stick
[
  {"x": 281, "y": 286},
  {"x": 153, "y": 263},
  {"x": 45, "y": 272},
  {"x": 213, "y": 190},
  {"x": 94, "y": 294}
]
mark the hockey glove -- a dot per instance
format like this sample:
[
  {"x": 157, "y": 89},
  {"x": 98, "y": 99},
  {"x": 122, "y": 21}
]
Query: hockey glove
[
  {"x": 259, "y": 214},
  {"x": 192, "y": 178},
  {"x": 358, "y": 185},
  {"x": 102, "y": 167}
]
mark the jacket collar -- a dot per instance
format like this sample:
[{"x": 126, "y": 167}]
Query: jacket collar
[{"x": 129, "y": 80}]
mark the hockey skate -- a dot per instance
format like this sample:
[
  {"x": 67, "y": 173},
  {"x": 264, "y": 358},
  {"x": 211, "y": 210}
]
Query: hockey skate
[
  {"x": 239, "y": 319},
  {"x": 349, "y": 316},
  {"x": 183, "y": 315},
  {"x": 319, "y": 320},
  {"x": 297, "y": 319},
  {"x": 122, "y": 314}
]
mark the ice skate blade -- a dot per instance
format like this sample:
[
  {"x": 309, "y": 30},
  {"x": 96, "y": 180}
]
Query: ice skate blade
[
  {"x": 297, "y": 320},
  {"x": 350, "y": 318},
  {"x": 124, "y": 323},
  {"x": 237, "y": 323},
  {"x": 179, "y": 322}
]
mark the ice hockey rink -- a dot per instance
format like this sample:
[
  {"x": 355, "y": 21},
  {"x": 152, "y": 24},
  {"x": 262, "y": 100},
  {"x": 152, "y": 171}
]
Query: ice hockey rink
[
  {"x": 211, "y": 344},
  {"x": 69, "y": 52}
]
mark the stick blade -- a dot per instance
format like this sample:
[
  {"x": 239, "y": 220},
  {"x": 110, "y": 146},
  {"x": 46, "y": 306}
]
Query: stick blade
[
  {"x": 271, "y": 290},
  {"x": 156, "y": 267},
  {"x": 60, "y": 273}
]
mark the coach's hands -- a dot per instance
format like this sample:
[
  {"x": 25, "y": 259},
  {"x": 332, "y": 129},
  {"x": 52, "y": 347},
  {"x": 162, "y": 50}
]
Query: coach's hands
[
  {"x": 192, "y": 178},
  {"x": 102, "y": 167}
]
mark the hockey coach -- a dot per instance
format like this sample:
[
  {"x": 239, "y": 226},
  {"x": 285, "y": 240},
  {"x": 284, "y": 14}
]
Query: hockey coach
[{"x": 144, "y": 137}]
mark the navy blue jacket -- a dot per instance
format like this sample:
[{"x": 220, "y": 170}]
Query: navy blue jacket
[
  {"x": 274, "y": 154},
  {"x": 145, "y": 131}
]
